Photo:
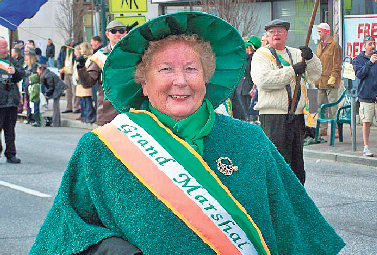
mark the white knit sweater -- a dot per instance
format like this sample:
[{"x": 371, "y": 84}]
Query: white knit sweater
[{"x": 271, "y": 81}]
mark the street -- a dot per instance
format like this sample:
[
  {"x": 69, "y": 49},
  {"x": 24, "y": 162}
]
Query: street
[{"x": 346, "y": 194}]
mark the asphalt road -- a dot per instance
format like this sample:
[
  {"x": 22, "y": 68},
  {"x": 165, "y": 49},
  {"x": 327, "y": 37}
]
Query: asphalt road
[{"x": 346, "y": 194}]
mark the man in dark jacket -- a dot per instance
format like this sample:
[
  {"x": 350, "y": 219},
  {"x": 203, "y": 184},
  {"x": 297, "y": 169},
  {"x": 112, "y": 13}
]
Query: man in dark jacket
[
  {"x": 54, "y": 89},
  {"x": 9, "y": 100},
  {"x": 366, "y": 70},
  {"x": 50, "y": 53}
]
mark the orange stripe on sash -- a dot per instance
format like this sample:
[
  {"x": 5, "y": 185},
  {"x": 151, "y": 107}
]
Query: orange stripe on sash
[
  {"x": 164, "y": 189},
  {"x": 4, "y": 67}
]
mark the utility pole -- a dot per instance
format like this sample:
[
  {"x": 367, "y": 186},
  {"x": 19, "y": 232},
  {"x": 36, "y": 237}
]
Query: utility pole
[{"x": 103, "y": 17}]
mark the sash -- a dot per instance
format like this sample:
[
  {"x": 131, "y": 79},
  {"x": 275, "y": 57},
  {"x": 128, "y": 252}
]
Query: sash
[
  {"x": 225, "y": 108},
  {"x": 286, "y": 62},
  {"x": 99, "y": 58},
  {"x": 4, "y": 64},
  {"x": 178, "y": 176}
]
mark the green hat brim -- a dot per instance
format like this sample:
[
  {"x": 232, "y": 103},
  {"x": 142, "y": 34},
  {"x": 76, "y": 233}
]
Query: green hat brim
[
  {"x": 227, "y": 44},
  {"x": 248, "y": 44}
]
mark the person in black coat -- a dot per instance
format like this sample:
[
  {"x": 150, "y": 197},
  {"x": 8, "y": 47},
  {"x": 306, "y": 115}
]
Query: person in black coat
[
  {"x": 50, "y": 53},
  {"x": 54, "y": 89},
  {"x": 18, "y": 57},
  {"x": 10, "y": 75},
  {"x": 241, "y": 95}
]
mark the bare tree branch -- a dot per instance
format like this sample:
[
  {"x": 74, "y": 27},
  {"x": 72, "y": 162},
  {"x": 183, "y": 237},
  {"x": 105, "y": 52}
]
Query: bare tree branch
[
  {"x": 64, "y": 18},
  {"x": 242, "y": 14},
  {"x": 70, "y": 19}
]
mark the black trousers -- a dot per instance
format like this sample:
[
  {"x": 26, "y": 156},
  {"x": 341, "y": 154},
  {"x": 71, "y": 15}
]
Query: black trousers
[
  {"x": 112, "y": 246},
  {"x": 288, "y": 137},
  {"x": 8, "y": 119}
]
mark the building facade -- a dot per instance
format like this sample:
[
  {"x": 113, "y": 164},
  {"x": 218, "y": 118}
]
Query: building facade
[{"x": 350, "y": 20}]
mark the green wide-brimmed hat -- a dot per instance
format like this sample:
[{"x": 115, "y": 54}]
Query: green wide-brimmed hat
[
  {"x": 255, "y": 41},
  {"x": 227, "y": 44}
]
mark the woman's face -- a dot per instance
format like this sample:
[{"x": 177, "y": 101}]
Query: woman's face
[
  {"x": 174, "y": 81},
  {"x": 39, "y": 71},
  {"x": 77, "y": 53}
]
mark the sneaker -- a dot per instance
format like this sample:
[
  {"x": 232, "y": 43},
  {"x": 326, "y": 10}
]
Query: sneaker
[
  {"x": 13, "y": 160},
  {"x": 26, "y": 122},
  {"x": 367, "y": 152},
  {"x": 35, "y": 124}
]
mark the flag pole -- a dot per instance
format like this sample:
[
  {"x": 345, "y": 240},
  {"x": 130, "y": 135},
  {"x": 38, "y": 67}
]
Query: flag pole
[
  {"x": 10, "y": 46},
  {"x": 10, "y": 52}
]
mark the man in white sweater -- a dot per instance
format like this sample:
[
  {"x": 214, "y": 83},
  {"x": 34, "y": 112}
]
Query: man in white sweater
[{"x": 273, "y": 70}]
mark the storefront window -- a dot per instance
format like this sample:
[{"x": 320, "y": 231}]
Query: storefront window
[
  {"x": 298, "y": 13},
  {"x": 360, "y": 7},
  {"x": 360, "y": 20}
]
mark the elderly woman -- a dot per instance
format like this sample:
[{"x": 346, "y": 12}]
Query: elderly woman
[{"x": 170, "y": 176}]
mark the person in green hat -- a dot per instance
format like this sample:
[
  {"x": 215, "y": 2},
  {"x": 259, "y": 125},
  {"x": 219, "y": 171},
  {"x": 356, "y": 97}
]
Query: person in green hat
[
  {"x": 168, "y": 175},
  {"x": 241, "y": 96}
]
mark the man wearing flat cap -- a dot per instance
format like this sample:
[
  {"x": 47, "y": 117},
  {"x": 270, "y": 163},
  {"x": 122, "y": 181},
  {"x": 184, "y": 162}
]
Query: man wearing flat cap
[
  {"x": 273, "y": 70},
  {"x": 90, "y": 71},
  {"x": 330, "y": 54}
]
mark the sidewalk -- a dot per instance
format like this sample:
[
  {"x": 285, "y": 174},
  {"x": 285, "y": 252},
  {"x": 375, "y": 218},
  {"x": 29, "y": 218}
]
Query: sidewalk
[
  {"x": 67, "y": 119},
  {"x": 341, "y": 152}
]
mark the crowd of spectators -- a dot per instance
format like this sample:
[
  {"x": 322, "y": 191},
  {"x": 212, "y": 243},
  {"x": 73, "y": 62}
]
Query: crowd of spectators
[{"x": 40, "y": 76}]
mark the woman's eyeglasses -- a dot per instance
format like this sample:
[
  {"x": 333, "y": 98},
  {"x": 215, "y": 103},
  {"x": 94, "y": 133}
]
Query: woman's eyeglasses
[{"x": 114, "y": 31}]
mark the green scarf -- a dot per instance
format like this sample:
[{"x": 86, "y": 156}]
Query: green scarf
[{"x": 192, "y": 129}]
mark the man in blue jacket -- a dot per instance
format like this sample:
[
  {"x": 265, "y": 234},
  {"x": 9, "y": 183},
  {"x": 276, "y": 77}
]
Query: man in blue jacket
[{"x": 366, "y": 70}]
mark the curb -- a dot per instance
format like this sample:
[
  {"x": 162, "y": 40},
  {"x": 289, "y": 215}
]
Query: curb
[
  {"x": 339, "y": 157},
  {"x": 66, "y": 123},
  {"x": 77, "y": 124}
]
